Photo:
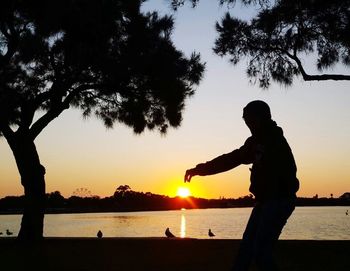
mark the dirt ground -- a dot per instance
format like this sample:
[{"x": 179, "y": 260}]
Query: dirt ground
[{"x": 85, "y": 254}]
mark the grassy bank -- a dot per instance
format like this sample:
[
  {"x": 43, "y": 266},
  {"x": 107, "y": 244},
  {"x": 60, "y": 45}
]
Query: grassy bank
[{"x": 163, "y": 254}]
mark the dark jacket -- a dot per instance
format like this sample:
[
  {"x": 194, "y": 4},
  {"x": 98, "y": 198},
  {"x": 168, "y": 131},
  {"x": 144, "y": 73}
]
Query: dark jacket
[{"x": 273, "y": 174}]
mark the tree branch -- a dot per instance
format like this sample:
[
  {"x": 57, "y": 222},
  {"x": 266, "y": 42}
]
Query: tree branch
[
  {"x": 42, "y": 122},
  {"x": 320, "y": 77},
  {"x": 6, "y": 131},
  {"x": 27, "y": 114},
  {"x": 54, "y": 112}
]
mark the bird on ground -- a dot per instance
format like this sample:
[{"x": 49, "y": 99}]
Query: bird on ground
[
  {"x": 168, "y": 233},
  {"x": 347, "y": 212},
  {"x": 99, "y": 234},
  {"x": 8, "y": 232},
  {"x": 210, "y": 233}
]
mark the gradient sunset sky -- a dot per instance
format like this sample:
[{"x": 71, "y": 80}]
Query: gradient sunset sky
[{"x": 315, "y": 117}]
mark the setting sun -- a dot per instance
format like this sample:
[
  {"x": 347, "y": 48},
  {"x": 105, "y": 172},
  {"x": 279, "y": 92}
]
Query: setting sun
[{"x": 183, "y": 192}]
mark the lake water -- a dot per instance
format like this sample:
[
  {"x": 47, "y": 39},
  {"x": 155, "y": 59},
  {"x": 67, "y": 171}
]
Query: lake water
[{"x": 308, "y": 223}]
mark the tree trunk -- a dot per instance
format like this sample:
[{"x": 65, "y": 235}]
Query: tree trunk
[{"x": 33, "y": 180}]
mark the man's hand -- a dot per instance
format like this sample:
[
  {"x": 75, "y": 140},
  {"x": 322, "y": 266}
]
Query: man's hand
[{"x": 189, "y": 174}]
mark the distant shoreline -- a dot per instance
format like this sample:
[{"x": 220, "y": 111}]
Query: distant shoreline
[{"x": 133, "y": 201}]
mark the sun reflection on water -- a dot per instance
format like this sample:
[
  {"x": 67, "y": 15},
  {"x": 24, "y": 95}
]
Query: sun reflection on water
[{"x": 183, "y": 226}]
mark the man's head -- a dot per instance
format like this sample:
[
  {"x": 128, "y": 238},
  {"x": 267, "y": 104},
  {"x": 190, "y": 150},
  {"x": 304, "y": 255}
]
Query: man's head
[{"x": 256, "y": 114}]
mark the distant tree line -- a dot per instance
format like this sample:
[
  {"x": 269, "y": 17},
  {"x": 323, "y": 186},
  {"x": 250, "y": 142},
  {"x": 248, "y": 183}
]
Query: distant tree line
[{"x": 125, "y": 199}]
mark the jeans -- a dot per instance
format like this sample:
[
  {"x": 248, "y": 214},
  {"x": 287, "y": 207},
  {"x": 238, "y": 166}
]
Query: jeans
[{"x": 261, "y": 234}]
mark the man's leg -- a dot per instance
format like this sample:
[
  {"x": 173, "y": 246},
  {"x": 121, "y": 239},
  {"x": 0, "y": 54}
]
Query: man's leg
[
  {"x": 274, "y": 215},
  {"x": 247, "y": 246}
]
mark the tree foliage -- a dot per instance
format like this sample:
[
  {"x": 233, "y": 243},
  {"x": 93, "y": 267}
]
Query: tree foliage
[
  {"x": 103, "y": 57},
  {"x": 284, "y": 32},
  {"x": 178, "y": 3},
  {"x": 122, "y": 190}
]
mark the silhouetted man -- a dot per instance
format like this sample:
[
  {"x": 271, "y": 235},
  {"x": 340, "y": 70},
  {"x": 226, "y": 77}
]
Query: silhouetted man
[{"x": 273, "y": 182}]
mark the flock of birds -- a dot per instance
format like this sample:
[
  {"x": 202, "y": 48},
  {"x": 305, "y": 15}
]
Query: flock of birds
[
  {"x": 8, "y": 232},
  {"x": 168, "y": 233}
]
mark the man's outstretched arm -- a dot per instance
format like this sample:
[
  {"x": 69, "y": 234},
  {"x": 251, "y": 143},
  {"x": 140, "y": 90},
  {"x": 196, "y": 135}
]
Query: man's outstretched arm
[{"x": 222, "y": 163}]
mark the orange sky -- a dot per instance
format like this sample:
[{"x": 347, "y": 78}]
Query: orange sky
[{"x": 315, "y": 117}]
